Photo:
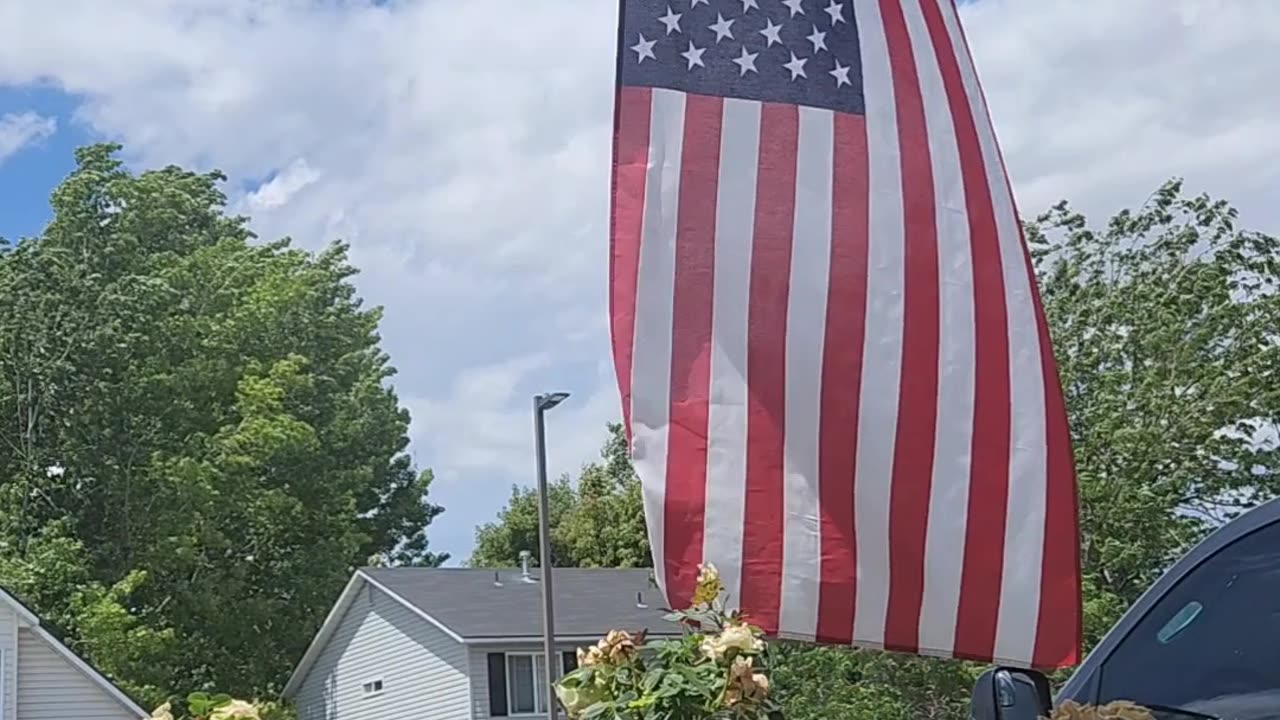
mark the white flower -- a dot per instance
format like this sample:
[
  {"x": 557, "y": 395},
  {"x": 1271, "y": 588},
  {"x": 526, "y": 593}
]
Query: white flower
[{"x": 734, "y": 637}]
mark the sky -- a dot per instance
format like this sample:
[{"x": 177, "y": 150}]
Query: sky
[{"x": 463, "y": 149}]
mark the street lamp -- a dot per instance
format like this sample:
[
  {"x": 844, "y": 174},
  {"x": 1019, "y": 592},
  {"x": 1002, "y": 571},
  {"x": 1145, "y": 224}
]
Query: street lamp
[{"x": 541, "y": 404}]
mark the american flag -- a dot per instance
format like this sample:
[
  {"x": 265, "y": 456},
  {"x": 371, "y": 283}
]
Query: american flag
[{"x": 835, "y": 368}]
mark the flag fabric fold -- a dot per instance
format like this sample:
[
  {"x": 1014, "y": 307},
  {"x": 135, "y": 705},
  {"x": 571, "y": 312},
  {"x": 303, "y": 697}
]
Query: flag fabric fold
[{"x": 835, "y": 369}]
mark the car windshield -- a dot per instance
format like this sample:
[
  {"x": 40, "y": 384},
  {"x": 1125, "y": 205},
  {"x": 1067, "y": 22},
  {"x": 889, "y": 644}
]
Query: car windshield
[{"x": 1211, "y": 646}]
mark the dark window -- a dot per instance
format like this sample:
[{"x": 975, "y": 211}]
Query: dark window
[
  {"x": 1212, "y": 644},
  {"x": 497, "y": 684}
]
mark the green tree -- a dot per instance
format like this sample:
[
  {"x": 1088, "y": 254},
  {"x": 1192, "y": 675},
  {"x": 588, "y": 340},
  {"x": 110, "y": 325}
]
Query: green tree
[
  {"x": 197, "y": 437},
  {"x": 596, "y": 522},
  {"x": 1164, "y": 324}
]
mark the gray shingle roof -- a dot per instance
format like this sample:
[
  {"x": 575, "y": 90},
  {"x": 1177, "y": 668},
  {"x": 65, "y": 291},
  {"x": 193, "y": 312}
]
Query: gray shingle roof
[{"x": 587, "y": 601}]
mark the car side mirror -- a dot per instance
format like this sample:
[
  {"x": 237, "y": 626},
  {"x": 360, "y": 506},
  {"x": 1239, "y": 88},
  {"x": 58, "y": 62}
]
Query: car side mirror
[{"x": 1011, "y": 694}]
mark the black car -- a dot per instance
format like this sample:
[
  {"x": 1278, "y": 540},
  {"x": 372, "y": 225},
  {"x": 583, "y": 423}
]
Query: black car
[{"x": 1202, "y": 642}]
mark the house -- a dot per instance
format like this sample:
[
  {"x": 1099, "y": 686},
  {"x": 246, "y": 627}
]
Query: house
[
  {"x": 42, "y": 679},
  {"x": 459, "y": 643}
]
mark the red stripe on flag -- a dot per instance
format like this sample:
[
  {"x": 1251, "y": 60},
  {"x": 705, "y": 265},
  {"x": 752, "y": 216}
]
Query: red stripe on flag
[
  {"x": 988, "y": 503},
  {"x": 1060, "y": 627},
  {"x": 630, "y": 169},
  {"x": 918, "y": 392},
  {"x": 766, "y": 363},
  {"x": 1060, "y": 630},
  {"x": 842, "y": 379},
  {"x": 686, "y": 489}
]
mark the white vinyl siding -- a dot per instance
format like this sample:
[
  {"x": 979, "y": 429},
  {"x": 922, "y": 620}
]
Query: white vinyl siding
[
  {"x": 423, "y": 671},
  {"x": 51, "y": 688},
  {"x": 8, "y": 659}
]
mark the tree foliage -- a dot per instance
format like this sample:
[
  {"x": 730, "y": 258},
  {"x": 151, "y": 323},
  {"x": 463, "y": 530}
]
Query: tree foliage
[
  {"x": 1165, "y": 324},
  {"x": 197, "y": 438},
  {"x": 596, "y": 522}
]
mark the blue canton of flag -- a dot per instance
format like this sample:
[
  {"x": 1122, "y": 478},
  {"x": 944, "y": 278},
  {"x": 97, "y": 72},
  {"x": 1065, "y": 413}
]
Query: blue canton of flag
[{"x": 803, "y": 52}]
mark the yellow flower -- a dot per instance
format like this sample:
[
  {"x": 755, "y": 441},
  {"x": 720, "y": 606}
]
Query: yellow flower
[
  {"x": 164, "y": 712},
  {"x": 709, "y": 585},
  {"x": 734, "y": 637},
  {"x": 235, "y": 709}
]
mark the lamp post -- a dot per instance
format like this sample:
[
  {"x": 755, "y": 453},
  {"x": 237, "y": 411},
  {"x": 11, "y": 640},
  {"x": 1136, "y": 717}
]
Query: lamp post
[{"x": 541, "y": 404}]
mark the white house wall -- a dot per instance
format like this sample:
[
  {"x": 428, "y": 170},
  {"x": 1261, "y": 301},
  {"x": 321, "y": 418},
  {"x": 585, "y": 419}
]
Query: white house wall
[
  {"x": 423, "y": 670},
  {"x": 9, "y": 647},
  {"x": 50, "y": 688}
]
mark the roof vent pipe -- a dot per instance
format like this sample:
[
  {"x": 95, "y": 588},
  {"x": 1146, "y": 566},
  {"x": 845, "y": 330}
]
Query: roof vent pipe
[
  {"x": 497, "y": 582},
  {"x": 525, "y": 556},
  {"x": 640, "y": 600}
]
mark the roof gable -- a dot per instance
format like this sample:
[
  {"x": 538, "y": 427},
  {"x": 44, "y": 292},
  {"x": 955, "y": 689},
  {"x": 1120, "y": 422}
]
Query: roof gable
[{"x": 31, "y": 621}]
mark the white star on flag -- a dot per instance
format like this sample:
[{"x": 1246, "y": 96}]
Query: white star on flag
[
  {"x": 693, "y": 55},
  {"x": 747, "y": 61},
  {"x": 748, "y": 4},
  {"x": 835, "y": 10},
  {"x": 796, "y": 66},
  {"x": 819, "y": 39},
  {"x": 671, "y": 20},
  {"x": 644, "y": 49},
  {"x": 770, "y": 32},
  {"x": 721, "y": 28},
  {"x": 841, "y": 74},
  {"x": 794, "y": 5}
]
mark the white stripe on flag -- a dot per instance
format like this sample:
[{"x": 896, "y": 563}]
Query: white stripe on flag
[
  {"x": 727, "y": 414},
  {"x": 655, "y": 293},
  {"x": 1024, "y": 532},
  {"x": 949, "y": 499},
  {"x": 882, "y": 355},
  {"x": 806, "y": 329}
]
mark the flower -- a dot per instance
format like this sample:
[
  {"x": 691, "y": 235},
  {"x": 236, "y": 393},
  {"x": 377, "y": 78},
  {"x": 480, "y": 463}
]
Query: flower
[
  {"x": 589, "y": 656},
  {"x": 709, "y": 585},
  {"x": 733, "y": 637},
  {"x": 235, "y": 709},
  {"x": 616, "y": 647},
  {"x": 164, "y": 712},
  {"x": 745, "y": 684},
  {"x": 618, "y": 644}
]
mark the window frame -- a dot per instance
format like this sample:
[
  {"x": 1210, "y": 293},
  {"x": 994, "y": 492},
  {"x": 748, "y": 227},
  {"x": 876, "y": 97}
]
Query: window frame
[
  {"x": 374, "y": 692},
  {"x": 539, "y": 692}
]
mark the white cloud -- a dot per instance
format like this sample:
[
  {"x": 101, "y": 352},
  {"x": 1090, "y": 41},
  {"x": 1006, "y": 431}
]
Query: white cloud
[
  {"x": 463, "y": 149},
  {"x": 18, "y": 130},
  {"x": 280, "y": 189}
]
